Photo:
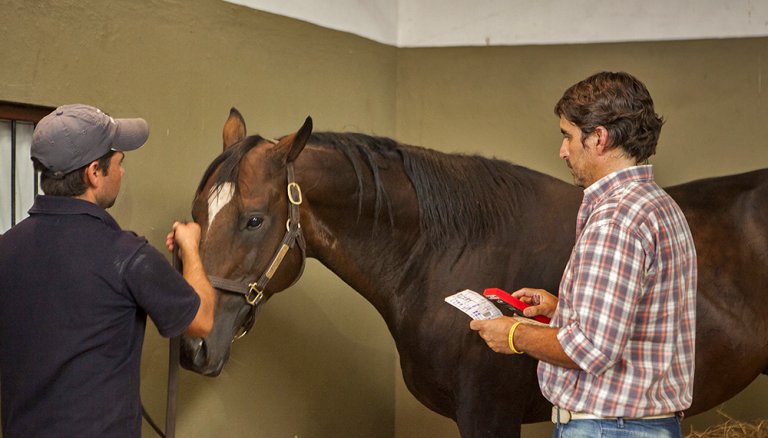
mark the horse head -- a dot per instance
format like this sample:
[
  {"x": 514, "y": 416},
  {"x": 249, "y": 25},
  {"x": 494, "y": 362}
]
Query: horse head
[{"x": 252, "y": 246}]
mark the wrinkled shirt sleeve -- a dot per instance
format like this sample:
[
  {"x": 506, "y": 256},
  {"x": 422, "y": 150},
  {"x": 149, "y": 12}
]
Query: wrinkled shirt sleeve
[
  {"x": 161, "y": 291},
  {"x": 608, "y": 271}
]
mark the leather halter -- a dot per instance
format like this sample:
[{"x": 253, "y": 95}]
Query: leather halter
[{"x": 254, "y": 292}]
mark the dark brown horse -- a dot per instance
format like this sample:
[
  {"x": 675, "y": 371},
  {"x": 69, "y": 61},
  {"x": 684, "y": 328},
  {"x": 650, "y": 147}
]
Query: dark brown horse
[{"x": 407, "y": 226}]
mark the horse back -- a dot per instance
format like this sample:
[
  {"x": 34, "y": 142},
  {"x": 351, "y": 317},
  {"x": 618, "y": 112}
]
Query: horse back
[{"x": 728, "y": 217}]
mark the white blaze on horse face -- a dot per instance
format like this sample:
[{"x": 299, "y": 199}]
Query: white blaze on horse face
[{"x": 219, "y": 197}]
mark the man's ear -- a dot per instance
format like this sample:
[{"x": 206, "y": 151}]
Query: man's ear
[
  {"x": 92, "y": 173},
  {"x": 601, "y": 142}
]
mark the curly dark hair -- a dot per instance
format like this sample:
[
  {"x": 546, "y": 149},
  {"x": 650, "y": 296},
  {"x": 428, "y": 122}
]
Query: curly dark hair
[{"x": 620, "y": 103}]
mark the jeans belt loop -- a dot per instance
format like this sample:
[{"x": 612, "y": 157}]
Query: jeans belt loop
[{"x": 560, "y": 416}]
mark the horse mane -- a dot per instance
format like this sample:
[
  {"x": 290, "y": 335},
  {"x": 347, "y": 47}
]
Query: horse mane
[
  {"x": 460, "y": 197},
  {"x": 354, "y": 146}
]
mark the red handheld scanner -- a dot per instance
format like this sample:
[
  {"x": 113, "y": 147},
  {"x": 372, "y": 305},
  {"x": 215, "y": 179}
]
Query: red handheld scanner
[{"x": 511, "y": 303}]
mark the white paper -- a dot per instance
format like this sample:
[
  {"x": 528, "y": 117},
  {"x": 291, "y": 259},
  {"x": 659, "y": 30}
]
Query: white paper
[{"x": 473, "y": 304}]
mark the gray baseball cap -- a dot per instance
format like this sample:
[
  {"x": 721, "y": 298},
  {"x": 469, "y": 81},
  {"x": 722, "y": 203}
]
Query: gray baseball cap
[{"x": 74, "y": 135}]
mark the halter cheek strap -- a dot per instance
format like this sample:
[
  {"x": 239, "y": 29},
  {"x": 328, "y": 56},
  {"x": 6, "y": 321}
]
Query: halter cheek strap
[{"x": 254, "y": 292}]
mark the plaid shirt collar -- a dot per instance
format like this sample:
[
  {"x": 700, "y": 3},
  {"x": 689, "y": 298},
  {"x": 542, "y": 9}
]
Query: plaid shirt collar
[{"x": 607, "y": 184}]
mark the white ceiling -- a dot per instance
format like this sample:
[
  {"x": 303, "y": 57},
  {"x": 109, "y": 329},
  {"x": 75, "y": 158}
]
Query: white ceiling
[{"x": 438, "y": 23}]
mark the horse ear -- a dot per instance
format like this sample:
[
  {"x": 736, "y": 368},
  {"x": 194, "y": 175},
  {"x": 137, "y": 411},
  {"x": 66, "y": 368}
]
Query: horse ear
[
  {"x": 234, "y": 128},
  {"x": 296, "y": 142}
]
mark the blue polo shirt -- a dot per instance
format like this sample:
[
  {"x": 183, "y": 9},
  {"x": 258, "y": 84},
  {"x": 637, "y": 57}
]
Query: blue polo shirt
[{"x": 75, "y": 292}]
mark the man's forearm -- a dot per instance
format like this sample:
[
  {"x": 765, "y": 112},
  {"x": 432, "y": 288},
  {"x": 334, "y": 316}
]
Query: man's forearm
[
  {"x": 542, "y": 344},
  {"x": 195, "y": 275}
]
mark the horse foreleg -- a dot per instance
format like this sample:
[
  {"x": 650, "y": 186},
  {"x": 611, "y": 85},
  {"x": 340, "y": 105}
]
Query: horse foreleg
[
  {"x": 496, "y": 395},
  {"x": 490, "y": 421}
]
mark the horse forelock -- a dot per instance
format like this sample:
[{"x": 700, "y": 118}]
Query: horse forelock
[
  {"x": 228, "y": 164},
  {"x": 460, "y": 197},
  {"x": 225, "y": 185}
]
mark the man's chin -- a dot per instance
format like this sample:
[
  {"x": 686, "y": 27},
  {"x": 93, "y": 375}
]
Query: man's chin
[
  {"x": 578, "y": 182},
  {"x": 106, "y": 203}
]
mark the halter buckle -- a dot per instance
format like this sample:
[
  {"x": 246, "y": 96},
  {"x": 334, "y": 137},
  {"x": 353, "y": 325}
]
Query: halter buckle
[
  {"x": 256, "y": 298},
  {"x": 294, "y": 198}
]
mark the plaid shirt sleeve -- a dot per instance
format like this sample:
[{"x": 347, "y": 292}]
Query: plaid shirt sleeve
[{"x": 608, "y": 271}]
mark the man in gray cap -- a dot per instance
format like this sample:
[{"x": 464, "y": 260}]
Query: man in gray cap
[{"x": 75, "y": 289}]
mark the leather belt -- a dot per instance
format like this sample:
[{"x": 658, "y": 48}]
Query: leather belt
[{"x": 564, "y": 416}]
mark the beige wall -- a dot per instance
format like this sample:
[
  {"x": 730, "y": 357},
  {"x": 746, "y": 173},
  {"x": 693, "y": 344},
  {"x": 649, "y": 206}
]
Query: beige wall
[{"x": 320, "y": 362}]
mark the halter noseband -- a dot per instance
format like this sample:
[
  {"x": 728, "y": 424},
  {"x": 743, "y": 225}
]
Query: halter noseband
[{"x": 254, "y": 292}]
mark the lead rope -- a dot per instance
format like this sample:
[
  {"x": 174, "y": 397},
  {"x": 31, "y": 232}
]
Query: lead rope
[{"x": 174, "y": 353}]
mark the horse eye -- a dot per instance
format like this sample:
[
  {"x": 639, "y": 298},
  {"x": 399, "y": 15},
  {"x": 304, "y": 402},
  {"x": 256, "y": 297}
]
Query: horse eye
[{"x": 254, "y": 222}]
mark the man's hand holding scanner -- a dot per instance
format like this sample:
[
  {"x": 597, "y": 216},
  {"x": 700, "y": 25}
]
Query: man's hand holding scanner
[
  {"x": 540, "y": 302},
  {"x": 517, "y": 335}
]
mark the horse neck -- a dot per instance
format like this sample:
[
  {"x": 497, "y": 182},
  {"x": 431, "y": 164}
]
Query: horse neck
[
  {"x": 365, "y": 245},
  {"x": 392, "y": 259}
]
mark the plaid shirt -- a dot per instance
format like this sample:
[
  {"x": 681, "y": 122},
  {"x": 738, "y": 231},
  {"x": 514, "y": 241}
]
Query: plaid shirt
[{"x": 627, "y": 310}]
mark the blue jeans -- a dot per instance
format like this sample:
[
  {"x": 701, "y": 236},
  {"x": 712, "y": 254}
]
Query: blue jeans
[{"x": 658, "y": 428}]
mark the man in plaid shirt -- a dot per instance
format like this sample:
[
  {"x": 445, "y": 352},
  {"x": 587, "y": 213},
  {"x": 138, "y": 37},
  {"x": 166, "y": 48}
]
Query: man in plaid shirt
[{"x": 618, "y": 357}]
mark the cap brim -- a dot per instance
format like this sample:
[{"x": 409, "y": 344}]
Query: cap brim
[{"x": 130, "y": 134}]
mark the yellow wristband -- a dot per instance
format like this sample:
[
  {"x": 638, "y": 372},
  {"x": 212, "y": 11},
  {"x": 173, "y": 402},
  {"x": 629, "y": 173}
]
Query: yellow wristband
[{"x": 511, "y": 338}]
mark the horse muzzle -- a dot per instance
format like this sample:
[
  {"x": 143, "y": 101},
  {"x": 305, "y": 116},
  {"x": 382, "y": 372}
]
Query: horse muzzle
[{"x": 195, "y": 357}]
